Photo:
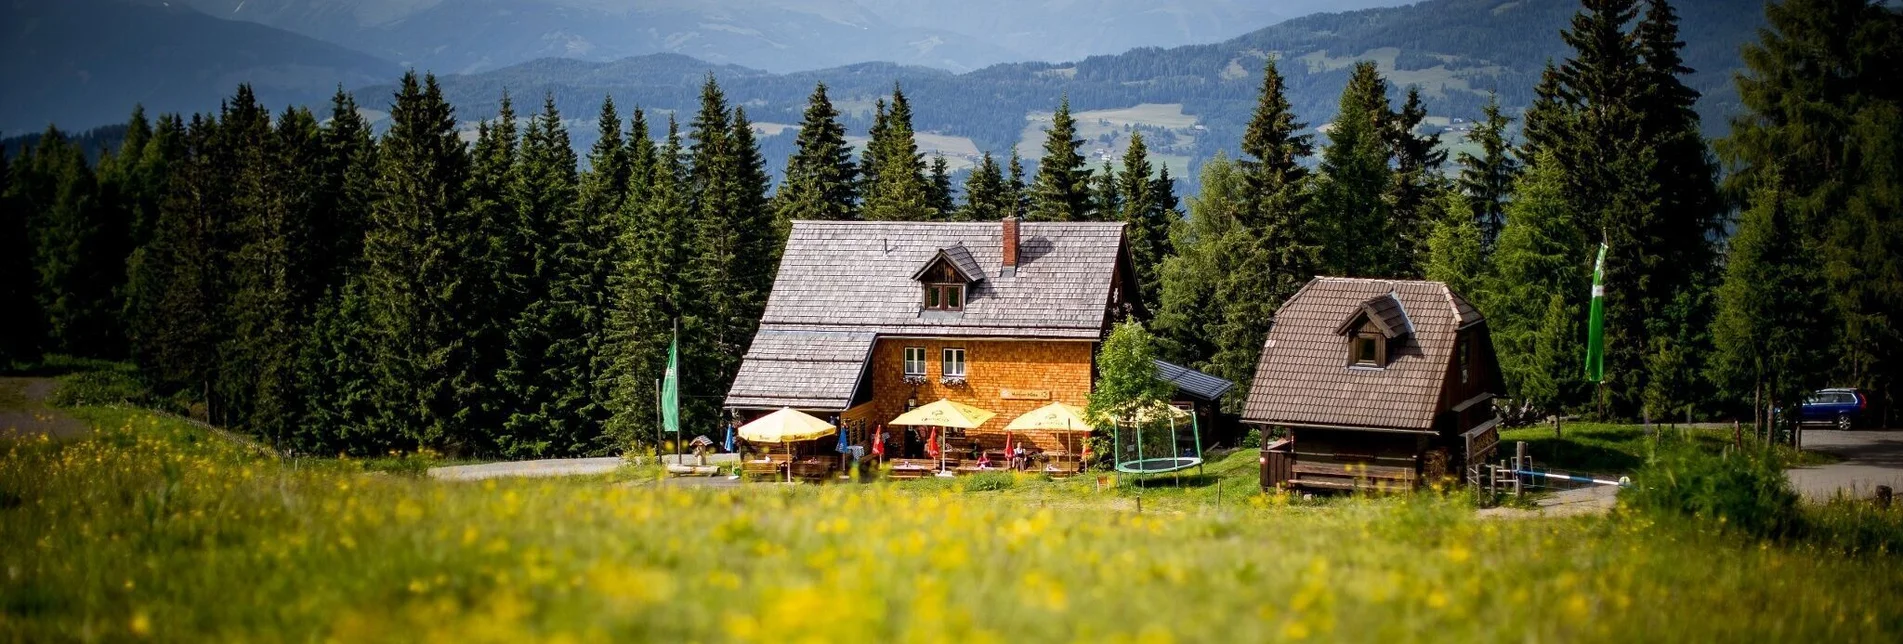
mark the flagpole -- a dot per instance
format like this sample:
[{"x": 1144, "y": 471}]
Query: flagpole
[
  {"x": 658, "y": 420},
  {"x": 675, "y": 363}
]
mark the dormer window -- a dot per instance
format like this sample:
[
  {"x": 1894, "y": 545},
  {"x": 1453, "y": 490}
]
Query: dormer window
[
  {"x": 1373, "y": 330},
  {"x": 945, "y": 278},
  {"x": 1366, "y": 349},
  {"x": 944, "y": 297}
]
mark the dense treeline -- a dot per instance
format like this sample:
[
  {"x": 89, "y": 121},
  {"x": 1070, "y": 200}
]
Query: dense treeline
[
  {"x": 337, "y": 291},
  {"x": 1805, "y": 294}
]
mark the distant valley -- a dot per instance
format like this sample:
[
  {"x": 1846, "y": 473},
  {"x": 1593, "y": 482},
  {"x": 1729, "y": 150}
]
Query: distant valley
[{"x": 1191, "y": 101}]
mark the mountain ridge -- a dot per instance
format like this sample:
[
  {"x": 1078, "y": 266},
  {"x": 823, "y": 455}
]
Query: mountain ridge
[{"x": 86, "y": 62}]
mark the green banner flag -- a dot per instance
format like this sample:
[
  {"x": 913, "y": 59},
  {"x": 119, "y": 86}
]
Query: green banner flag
[
  {"x": 671, "y": 388},
  {"x": 1596, "y": 322}
]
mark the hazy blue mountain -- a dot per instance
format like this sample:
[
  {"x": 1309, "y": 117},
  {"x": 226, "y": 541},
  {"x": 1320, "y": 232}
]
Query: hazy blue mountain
[
  {"x": 86, "y": 62},
  {"x": 776, "y": 35},
  {"x": 1191, "y": 101}
]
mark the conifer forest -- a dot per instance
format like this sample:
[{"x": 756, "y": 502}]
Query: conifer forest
[{"x": 292, "y": 274}]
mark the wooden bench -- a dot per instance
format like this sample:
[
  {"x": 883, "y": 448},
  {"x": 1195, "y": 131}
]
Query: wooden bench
[
  {"x": 911, "y": 468},
  {"x": 812, "y": 469},
  {"x": 768, "y": 469}
]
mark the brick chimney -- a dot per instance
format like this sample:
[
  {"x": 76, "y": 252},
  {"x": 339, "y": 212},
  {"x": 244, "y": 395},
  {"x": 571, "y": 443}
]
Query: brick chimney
[{"x": 1010, "y": 247}]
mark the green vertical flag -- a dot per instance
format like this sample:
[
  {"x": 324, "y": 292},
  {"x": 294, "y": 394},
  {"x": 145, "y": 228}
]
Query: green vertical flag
[
  {"x": 671, "y": 388},
  {"x": 1596, "y": 322}
]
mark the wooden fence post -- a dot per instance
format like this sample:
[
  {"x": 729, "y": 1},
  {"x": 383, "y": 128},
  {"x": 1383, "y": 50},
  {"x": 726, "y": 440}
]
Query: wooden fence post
[{"x": 1520, "y": 465}]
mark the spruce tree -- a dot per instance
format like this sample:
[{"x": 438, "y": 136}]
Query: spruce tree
[
  {"x": 987, "y": 195},
  {"x": 1017, "y": 193},
  {"x": 1547, "y": 120},
  {"x": 1146, "y": 217},
  {"x": 273, "y": 288},
  {"x": 137, "y": 179},
  {"x": 1188, "y": 314},
  {"x": 1687, "y": 216},
  {"x": 1817, "y": 136},
  {"x": 1271, "y": 248},
  {"x": 732, "y": 236},
  {"x": 1415, "y": 198},
  {"x": 938, "y": 189},
  {"x": 1773, "y": 326},
  {"x": 869, "y": 156},
  {"x": 77, "y": 249},
  {"x": 1106, "y": 204},
  {"x": 1539, "y": 280},
  {"x": 898, "y": 190},
  {"x": 418, "y": 296},
  {"x": 1487, "y": 180},
  {"x": 1061, "y": 191},
  {"x": 820, "y": 181},
  {"x": 22, "y": 330},
  {"x": 1453, "y": 253},
  {"x": 1360, "y": 236},
  {"x": 181, "y": 273},
  {"x": 547, "y": 377},
  {"x": 648, "y": 289},
  {"x": 498, "y": 258},
  {"x": 348, "y": 167}
]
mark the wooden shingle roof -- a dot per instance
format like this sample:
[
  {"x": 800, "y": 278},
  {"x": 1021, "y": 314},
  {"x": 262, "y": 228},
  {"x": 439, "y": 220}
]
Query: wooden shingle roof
[
  {"x": 960, "y": 259},
  {"x": 801, "y": 369},
  {"x": 1303, "y": 376},
  {"x": 858, "y": 276},
  {"x": 843, "y": 284}
]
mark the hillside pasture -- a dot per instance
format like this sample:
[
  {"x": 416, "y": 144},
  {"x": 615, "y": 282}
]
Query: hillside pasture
[{"x": 153, "y": 528}]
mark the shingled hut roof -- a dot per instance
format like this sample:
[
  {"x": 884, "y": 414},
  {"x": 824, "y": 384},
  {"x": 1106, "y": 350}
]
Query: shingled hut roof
[{"x": 1303, "y": 377}]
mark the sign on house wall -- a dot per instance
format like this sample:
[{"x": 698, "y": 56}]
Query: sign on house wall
[{"x": 1024, "y": 394}]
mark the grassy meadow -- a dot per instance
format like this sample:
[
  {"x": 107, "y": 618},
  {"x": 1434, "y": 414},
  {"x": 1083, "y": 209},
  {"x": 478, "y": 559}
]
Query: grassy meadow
[{"x": 152, "y": 528}]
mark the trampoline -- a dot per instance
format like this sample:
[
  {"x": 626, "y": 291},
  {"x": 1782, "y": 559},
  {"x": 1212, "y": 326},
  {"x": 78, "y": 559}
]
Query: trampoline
[
  {"x": 1161, "y": 453},
  {"x": 1159, "y": 465}
]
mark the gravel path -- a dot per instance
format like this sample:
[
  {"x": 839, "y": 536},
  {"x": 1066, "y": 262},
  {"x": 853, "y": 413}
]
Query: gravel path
[
  {"x": 550, "y": 467},
  {"x": 24, "y": 412},
  {"x": 1870, "y": 459}
]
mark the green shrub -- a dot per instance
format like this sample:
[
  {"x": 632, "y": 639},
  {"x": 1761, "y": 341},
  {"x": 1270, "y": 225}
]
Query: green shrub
[
  {"x": 1745, "y": 490},
  {"x": 990, "y": 481},
  {"x": 1253, "y": 439},
  {"x": 112, "y": 385},
  {"x": 1855, "y": 527}
]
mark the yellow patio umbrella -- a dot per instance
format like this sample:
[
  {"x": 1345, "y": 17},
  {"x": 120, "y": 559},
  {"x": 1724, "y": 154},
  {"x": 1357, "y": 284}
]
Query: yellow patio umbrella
[
  {"x": 945, "y": 413},
  {"x": 1056, "y": 416},
  {"x": 787, "y": 425}
]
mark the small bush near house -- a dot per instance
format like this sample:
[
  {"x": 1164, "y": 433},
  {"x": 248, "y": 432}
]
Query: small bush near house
[
  {"x": 113, "y": 385},
  {"x": 1743, "y": 489}
]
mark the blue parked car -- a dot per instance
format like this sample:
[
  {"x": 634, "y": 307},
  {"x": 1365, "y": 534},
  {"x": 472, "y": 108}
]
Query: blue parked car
[{"x": 1838, "y": 408}]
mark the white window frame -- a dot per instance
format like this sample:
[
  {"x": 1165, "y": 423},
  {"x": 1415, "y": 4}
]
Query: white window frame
[
  {"x": 948, "y": 362},
  {"x": 914, "y": 357}
]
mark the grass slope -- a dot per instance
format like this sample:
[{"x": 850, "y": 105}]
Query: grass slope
[{"x": 154, "y": 528}]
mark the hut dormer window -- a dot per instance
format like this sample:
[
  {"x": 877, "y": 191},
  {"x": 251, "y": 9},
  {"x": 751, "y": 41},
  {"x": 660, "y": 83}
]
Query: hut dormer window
[
  {"x": 1367, "y": 349},
  {"x": 1380, "y": 321}
]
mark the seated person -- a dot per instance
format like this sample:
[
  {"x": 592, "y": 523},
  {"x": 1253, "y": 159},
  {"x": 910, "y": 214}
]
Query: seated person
[
  {"x": 984, "y": 460},
  {"x": 1018, "y": 457}
]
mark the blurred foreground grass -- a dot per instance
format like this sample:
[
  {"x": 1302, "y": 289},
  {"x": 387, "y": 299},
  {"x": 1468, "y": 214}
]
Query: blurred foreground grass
[{"x": 152, "y": 528}]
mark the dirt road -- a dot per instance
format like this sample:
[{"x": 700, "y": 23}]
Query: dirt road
[
  {"x": 24, "y": 412},
  {"x": 1870, "y": 459}
]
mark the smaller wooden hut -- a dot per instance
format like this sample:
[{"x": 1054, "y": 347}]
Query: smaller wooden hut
[{"x": 1377, "y": 383}]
